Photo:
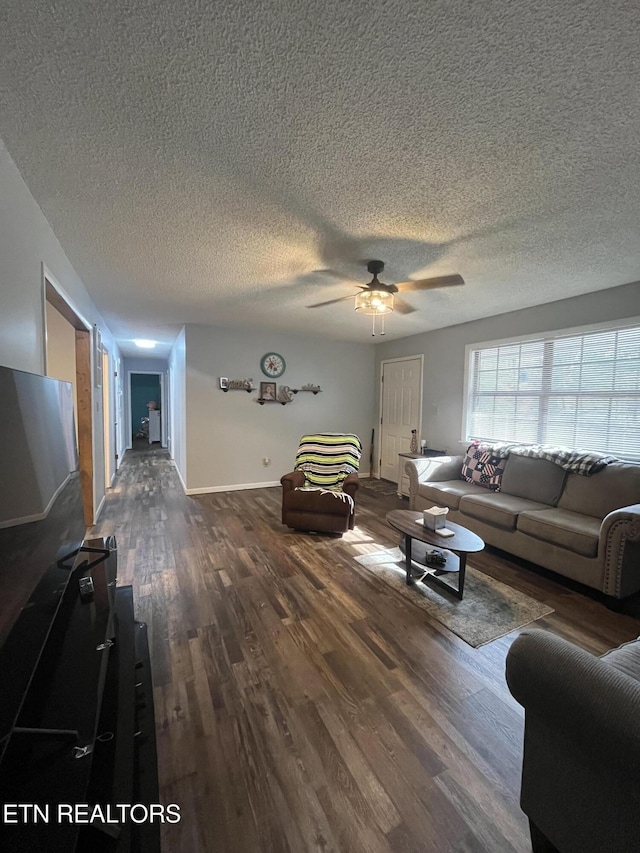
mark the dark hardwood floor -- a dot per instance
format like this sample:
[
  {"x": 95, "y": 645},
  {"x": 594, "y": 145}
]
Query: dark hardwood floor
[{"x": 301, "y": 706}]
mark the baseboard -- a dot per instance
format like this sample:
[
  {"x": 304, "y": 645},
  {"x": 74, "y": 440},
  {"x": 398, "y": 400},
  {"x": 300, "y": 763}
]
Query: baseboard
[
  {"x": 99, "y": 510},
  {"x": 235, "y": 488},
  {"x": 182, "y": 482}
]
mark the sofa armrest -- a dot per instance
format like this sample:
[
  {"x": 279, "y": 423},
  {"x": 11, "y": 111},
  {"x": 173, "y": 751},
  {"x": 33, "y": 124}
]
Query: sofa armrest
[
  {"x": 619, "y": 545},
  {"x": 434, "y": 468},
  {"x": 431, "y": 469},
  {"x": 578, "y": 694},
  {"x": 351, "y": 485},
  {"x": 581, "y": 766},
  {"x": 293, "y": 480}
]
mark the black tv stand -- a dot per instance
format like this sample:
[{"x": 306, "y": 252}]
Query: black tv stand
[{"x": 83, "y": 743}]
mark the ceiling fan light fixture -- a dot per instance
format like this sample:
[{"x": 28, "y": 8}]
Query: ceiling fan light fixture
[{"x": 374, "y": 302}]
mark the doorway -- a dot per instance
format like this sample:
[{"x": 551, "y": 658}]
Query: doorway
[
  {"x": 400, "y": 410},
  {"x": 146, "y": 409},
  {"x": 58, "y": 308}
]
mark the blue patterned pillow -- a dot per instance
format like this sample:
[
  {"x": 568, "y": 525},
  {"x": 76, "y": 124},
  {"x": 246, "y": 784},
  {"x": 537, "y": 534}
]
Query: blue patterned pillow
[{"x": 483, "y": 467}]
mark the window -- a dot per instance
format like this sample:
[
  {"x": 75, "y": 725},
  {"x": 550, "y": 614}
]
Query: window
[{"x": 579, "y": 388}]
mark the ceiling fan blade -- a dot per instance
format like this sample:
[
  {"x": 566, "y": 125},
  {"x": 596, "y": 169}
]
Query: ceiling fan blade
[
  {"x": 431, "y": 283},
  {"x": 331, "y": 301},
  {"x": 402, "y": 307},
  {"x": 341, "y": 276}
]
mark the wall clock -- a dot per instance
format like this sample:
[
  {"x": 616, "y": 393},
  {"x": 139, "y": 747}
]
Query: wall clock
[{"x": 272, "y": 364}]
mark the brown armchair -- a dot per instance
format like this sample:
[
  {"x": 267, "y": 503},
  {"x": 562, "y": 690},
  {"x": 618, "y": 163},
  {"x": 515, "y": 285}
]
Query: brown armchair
[{"x": 319, "y": 494}]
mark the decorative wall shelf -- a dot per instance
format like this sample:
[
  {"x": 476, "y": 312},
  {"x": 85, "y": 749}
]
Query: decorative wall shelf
[{"x": 284, "y": 393}]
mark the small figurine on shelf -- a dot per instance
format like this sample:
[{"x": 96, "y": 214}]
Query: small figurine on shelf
[
  {"x": 311, "y": 387},
  {"x": 414, "y": 441},
  {"x": 284, "y": 394},
  {"x": 241, "y": 385}
]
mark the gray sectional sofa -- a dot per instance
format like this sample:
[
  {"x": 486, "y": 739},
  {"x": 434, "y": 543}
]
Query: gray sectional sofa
[{"x": 585, "y": 528}]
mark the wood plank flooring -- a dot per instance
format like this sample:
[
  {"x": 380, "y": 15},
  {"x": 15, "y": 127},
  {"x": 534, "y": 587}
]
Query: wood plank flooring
[{"x": 301, "y": 706}]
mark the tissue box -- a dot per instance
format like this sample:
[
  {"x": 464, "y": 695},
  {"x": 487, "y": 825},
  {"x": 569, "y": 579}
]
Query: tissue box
[{"x": 435, "y": 518}]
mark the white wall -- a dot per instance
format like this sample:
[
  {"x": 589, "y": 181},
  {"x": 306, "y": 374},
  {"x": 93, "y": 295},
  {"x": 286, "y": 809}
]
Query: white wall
[
  {"x": 26, "y": 242},
  {"x": 229, "y": 434},
  {"x": 145, "y": 365},
  {"x": 178, "y": 406},
  {"x": 444, "y": 351}
]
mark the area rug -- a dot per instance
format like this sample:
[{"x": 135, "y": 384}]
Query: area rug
[
  {"x": 489, "y": 609},
  {"x": 382, "y": 487}
]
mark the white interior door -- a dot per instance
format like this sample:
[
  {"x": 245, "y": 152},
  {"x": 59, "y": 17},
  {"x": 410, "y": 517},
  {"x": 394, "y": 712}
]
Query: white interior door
[
  {"x": 119, "y": 423},
  {"x": 401, "y": 411},
  {"x": 106, "y": 419}
]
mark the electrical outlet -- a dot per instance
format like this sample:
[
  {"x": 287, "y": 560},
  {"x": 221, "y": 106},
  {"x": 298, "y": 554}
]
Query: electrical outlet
[{"x": 266, "y": 461}]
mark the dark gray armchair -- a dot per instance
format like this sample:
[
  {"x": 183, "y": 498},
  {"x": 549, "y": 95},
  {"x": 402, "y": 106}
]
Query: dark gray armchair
[{"x": 581, "y": 766}]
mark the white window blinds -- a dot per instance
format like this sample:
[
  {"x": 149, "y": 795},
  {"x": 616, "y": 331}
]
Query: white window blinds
[{"x": 580, "y": 389}]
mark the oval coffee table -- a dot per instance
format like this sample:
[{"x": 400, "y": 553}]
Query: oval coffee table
[{"x": 464, "y": 542}]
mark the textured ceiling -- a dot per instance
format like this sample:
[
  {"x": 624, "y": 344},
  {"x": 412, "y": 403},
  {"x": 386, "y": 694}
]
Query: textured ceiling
[{"x": 199, "y": 160}]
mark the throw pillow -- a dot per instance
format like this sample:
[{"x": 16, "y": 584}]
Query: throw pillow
[{"x": 483, "y": 467}]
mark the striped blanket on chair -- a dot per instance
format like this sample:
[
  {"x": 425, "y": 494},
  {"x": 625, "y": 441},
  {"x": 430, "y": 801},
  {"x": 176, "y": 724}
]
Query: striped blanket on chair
[{"x": 328, "y": 458}]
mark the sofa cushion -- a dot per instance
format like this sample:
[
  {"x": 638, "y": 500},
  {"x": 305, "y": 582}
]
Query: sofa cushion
[
  {"x": 497, "y": 509},
  {"x": 446, "y": 493},
  {"x": 571, "y": 530},
  {"x": 626, "y": 659},
  {"x": 318, "y": 501},
  {"x": 483, "y": 467},
  {"x": 615, "y": 486},
  {"x": 535, "y": 479}
]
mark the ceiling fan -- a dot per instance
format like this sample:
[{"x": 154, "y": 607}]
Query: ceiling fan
[{"x": 378, "y": 299}]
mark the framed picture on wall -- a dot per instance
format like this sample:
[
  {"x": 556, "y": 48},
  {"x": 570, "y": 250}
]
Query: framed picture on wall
[
  {"x": 97, "y": 357},
  {"x": 267, "y": 391}
]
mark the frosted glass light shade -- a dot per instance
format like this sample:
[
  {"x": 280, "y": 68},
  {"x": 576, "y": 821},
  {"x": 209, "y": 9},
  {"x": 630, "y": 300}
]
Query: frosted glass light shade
[{"x": 374, "y": 302}]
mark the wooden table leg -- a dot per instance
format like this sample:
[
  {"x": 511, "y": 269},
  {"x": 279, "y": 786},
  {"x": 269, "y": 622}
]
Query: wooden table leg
[
  {"x": 434, "y": 580},
  {"x": 462, "y": 565},
  {"x": 407, "y": 554}
]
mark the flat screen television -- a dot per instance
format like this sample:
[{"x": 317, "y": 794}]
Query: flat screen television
[{"x": 41, "y": 524}]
